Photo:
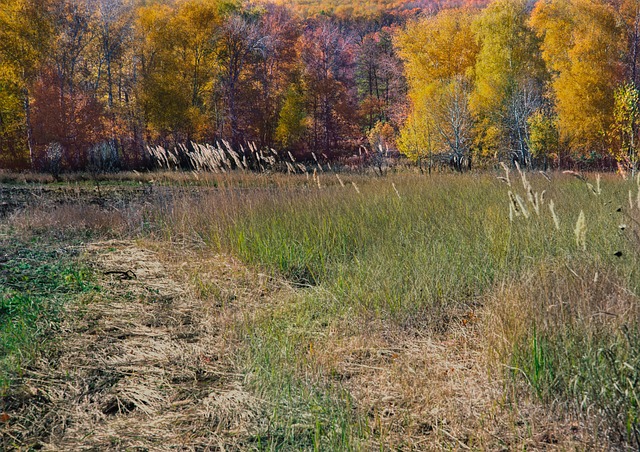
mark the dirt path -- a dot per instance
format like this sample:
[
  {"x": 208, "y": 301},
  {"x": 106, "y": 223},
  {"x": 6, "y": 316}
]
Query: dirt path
[{"x": 142, "y": 367}]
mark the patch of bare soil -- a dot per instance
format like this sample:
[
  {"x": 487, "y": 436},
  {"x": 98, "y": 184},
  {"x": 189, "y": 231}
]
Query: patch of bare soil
[
  {"x": 16, "y": 197},
  {"x": 142, "y": 366}
]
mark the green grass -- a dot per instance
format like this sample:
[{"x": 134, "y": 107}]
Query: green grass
[
  {"x": 446, "y": 241},
  {"x": 307, "y": 411},
  {"x": 445, "y": 245},
  {"x": 36, "y": 282},
  {"x": 559, "y": 320}
]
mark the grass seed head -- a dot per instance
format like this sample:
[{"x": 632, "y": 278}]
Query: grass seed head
[
  {"x": 574, "y": 174},
  {"x": 506, "y": 170},
  {"x": 523, "y": 207},
  {"x": 514, "y": 204},
  {"x": 556, "y": 221},
  {"x": 396, "y": 190},
  {"x": 581, "y": 232}
]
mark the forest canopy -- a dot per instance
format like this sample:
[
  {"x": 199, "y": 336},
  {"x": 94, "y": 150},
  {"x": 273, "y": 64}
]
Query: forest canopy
[{"x": 84, "y": 82}]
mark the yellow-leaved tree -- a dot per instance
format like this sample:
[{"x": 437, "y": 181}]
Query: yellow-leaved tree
[
  {"x": 582, "y": 44},
  {"x": 177, "y": 52},
  {"x": 509, "y": 78},
  {"x": 25, "y": 35},
  {"x": 439, "y": 52}
]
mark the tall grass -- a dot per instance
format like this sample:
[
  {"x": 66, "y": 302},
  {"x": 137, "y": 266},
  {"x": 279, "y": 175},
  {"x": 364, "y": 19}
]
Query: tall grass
[
  {"x": 571, "y": 330},
  {"x": 443, "y": 241},
  {"x": 556, "y": 273},
  {"x": 549, "y": 265}
]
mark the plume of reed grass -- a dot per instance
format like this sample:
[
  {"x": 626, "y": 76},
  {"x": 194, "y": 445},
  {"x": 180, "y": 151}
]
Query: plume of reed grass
[
  {"x": 536, "y": 203},
  {"x": 523, "y": 178},
  {"x": 396, "y": 190},
  {"x": 554, "y": 216},
  {"x": 545, "y": 175},
  {"x": 514, "y": 207},
  {"x": 523, "y": 207},
  {"x": 580, "y": 232},
  {"x": 574, "y": 174}
]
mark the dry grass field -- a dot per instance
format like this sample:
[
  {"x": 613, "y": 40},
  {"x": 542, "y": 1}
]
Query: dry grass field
[{"x": 191, "y": 311}]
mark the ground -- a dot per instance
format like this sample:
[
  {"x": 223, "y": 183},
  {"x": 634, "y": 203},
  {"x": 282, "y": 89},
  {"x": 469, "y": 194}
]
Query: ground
[
  {"x": 147, "y": 364},
  {"x": 140, "y": 365},
  {"x": 159, "y": 353}
]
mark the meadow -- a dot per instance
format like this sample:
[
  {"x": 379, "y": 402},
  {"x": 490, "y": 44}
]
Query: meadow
[{"x": 493, "y": 310}]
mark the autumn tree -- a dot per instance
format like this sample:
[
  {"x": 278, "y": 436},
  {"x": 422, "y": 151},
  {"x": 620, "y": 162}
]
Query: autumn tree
[
  {"x": 379, "y": 77},
  {"x": 114, "y": 22},
  {"x": 581, "y": 44},
  {"x": 625, "y": 126},
  {"x": 25, "y": 38},
  {"x": 414, "y": 140},
  {"x": 452, "y": 120},
  {"x": 509, "y": 77},
  {"x": 628, "y": 12},
  {"x": 544, "y": 140},
  {"x": 239, "y": 42},
  {"x": 64, "y": 93},
  {"x": 178, "y": 65},
  {"x": 73, "y": 120},
  {"x": 292, "y": 125},
  {"x": 439, "y": 52},
  {"x": 274, "y": 74},
  {"x": 327, "y": 75}
]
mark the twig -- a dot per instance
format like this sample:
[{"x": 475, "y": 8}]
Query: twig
[{"x": 129, "y": 274}]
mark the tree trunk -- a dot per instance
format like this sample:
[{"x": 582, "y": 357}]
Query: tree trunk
[
  {"x": 27, "y": 115},
  {"x": 109, "y": 83}
]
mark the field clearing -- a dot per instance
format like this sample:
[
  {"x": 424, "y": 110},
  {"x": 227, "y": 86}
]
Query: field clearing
[{"x": 339, "y": 312}]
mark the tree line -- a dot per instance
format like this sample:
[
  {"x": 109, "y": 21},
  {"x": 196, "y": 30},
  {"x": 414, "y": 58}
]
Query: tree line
[
  {"x": 532, "y": 82},
  {"x": 82, "y": 80},
  {"x": 93, "y": 82}
]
